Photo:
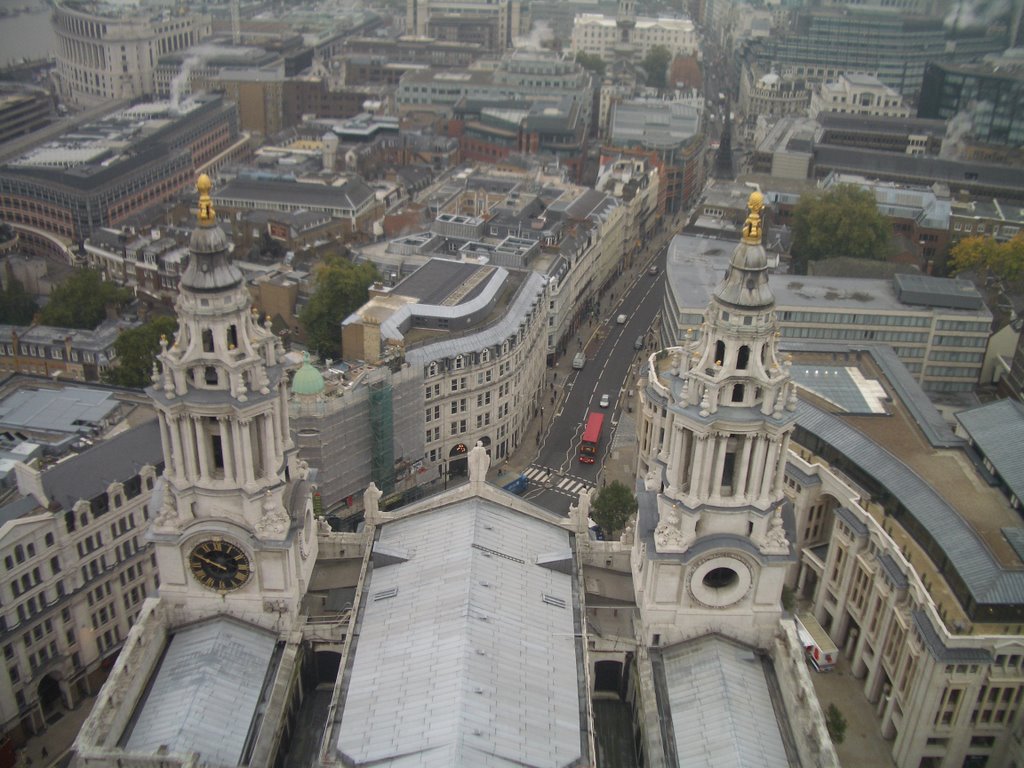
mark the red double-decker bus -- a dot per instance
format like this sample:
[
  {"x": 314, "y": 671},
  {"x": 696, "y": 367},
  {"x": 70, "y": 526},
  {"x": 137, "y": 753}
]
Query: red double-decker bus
[{"x": 591, "y": 438}]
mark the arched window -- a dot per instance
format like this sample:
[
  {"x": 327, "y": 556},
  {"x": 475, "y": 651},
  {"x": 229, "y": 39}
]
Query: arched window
[
  {"x": 232, "y": 337},
  {"x": 207, "y": 340},
  {"x": 485, "y": 355},
  {"x": 737, "y": 393},
  {"x": 210, "y": 375},
  {"x": 432, "y": 369},
  {"x": 719, "y": 352},
  {"x": 743, "y": 358}
]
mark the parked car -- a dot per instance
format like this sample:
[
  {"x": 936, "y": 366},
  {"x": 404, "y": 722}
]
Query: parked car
[
  {"x": 638, "y": 343},
  {"x": 605, "y": 401}
]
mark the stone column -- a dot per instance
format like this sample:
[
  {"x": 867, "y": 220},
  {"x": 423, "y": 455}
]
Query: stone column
[
  {"x": 769, "y": 466},
  {"x": 226, "y": 448},
  {"x": 189, "y": 437},
  {"x": 665, "y": 450},
  {"x": 286, "y": 427},
  {"x": 697, "y": 475},
  {"x": 686, "y": 459},
  {"x": 740, "y": 486},
  {"x": 239, "y": 430},
  {"x": 269, "y": 445},
  {"x": 280, "y": 436},
  {"x": 202, "y": 447},
  {"x": 780, "y": 472},
  {"x": 675, "y": 458},
  {"x": 760, "y": 448},
  {"x": 165, "y": 444},
  {"x": 721, "y": 443},
  {"x": 178, "y": 457}
]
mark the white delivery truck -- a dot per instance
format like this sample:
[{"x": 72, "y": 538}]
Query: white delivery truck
[{"x": 818, "y": 646}]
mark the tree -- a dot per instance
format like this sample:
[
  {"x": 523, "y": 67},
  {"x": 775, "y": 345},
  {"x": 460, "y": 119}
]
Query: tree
[
  {"x": 341, "y": 288},
  {"x": 591, "y": 62},
  {"x": 984, "y": 255},
  {"x": 269, "y": 247},
  {"x": 844, "y": 221},
  {"x": 655, "y": 64},
  {"x": 136, "y": 350},
  {"x": 836, "y": 723},
  {"x": 612, "y": 507},
  {"x": 17, "y": 306},
  {"x": 81, "y": 301}
]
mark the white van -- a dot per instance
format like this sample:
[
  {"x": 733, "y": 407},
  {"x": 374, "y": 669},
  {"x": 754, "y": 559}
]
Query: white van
[{"x": 579, "y": 361}]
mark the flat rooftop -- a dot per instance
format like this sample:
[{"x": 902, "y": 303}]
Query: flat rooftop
[
  {"x": 696, "y": 264},
  {"x": 441, "y": 282}
]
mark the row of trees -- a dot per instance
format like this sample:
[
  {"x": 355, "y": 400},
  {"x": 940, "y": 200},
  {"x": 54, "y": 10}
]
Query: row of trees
[
  {"x": 81, "y": 301},
  {"x": 845, "y": 221}
]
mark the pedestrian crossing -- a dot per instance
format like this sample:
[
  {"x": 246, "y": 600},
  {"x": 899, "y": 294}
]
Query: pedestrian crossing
[
  {"x": 537, "y": 474},
  {"x": 568, "y": 485},
  {"x": 573, "y": 487}
]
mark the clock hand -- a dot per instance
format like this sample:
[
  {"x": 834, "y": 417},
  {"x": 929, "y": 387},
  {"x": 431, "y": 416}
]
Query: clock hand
[{"x": 208, "y": 561}]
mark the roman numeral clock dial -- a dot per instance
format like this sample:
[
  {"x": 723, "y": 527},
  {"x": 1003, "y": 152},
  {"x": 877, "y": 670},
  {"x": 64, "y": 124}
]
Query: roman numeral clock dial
[{"x": 219, "y": 565}]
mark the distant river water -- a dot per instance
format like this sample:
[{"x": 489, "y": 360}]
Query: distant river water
[{"x": 27, "y": 35}]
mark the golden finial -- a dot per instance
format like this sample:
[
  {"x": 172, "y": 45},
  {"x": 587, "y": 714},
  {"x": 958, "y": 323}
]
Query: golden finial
[
  {"x": 752, "y": 226},
  {"x": 204, "y": 185}
]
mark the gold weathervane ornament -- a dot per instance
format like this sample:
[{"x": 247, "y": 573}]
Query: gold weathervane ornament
[
  {"x": 204, "y": 185},
  {"x": 752, "y": 226}
]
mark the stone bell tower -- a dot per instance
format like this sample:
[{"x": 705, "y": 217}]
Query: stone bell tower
[
  {"x": 715, "y": 433},
  {"x": 234, "y": 533}
]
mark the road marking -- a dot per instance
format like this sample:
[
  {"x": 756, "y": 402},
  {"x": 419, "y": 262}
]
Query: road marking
[{"x": 537, "y": 474}]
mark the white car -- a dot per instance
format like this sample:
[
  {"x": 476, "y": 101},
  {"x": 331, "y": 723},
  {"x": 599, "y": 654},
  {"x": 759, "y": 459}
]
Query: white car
[
  {"x": 621, "y": 319},
  {"x": 605, "y": 401}
]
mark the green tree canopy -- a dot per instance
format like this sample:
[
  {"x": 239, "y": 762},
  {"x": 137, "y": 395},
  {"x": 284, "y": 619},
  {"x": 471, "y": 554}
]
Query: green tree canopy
[
  {"x": 17, "y": 306},
  {"x": 985, "y": 255},
  {"x": 341, "y": 288},
  {"x": 81, "y": 301},
  {"x": 136, "y": 350},
  {"x": 844, "y": 221},
  {"x": 655, "y": 64},
  {"x": 612, "y": 507},
  {"x": 591, "y": 62}
]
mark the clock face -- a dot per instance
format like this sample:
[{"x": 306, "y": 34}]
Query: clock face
[{"x": 219, "y": 565}]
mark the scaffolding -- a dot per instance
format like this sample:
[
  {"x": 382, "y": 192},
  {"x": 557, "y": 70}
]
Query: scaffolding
[{"x": 382, "y": 451}]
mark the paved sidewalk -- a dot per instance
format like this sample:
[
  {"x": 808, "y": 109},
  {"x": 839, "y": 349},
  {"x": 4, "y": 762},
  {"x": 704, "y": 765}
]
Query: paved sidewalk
[
  {"x": 863, "y": 746},
  {"x": 56, "y": 741}
]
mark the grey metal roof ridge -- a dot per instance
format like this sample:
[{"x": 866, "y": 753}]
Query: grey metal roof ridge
[
  {"x": 893, "y": 571},
  {"x": 930, "y": 637}
]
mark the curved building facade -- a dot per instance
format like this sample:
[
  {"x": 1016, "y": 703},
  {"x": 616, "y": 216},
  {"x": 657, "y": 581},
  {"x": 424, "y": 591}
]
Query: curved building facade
[{"x": 109, "y": 52}]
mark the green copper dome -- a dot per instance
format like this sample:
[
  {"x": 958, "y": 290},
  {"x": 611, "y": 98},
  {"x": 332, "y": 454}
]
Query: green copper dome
[{"x": 308, "y": 380}]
